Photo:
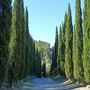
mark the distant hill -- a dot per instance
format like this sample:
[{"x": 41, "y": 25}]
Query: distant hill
[{"x": 45, "y": 51}]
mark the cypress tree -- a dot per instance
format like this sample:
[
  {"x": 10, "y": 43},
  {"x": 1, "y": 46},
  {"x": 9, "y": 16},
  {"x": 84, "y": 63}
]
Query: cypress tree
[
  {"x": 56, "y": 50},
  {"x": 52, "y": 64},
  {"x": 22, "y": 42},
  {"x": 78, "y": 63},
  {"x": 74, "y": 47},
  {"x": 34, "y": 57},
  {"x": 27, "y": 43},
  {"x": 14, "y": 45},
  {"x": 86, "y": 44},
  {"x": 39, "y": 66},
  {"x": 64, "y": 26},
  {"x": 60, "y": 52},
  {"x": 38, "y": 69},
  {"x": 68, "y": 44},
  {"x": 44, "y": 69},
  {"x": 63, "y": 36},
  {"x": 31, "y": 54},
  {"x": 88, "y": 63},
  {"x": 5, "y": 29},
  {"x": 61, "y": 46},
  {"x": 5, "y": 25},
  {"x": 63, "y": 43}
]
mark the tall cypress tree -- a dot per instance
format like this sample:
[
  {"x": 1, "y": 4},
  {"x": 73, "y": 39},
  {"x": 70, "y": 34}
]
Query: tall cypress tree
[
  {"x": 27, "y": 63},
  {"x": 30, "y": 48},
  {"x": 52, "y": 64},
  {"x": 38, "y": 68},
  {"x": 78, "y": 63},
  {"x": 14, "y": 46},
  {"x": 63, "y": 36},
  {"x": 5, "y": 28},
  {"x": 88, "y": 63},
  {"x": 60, "y": 52},
  {"x": 61, "y": 46},
  {"x": 68, "y": 44},
  {"x": 63, "y": 43},
  {"x": 56, "y": 50},
  {"x": 22, "y": 42},
  {"x": 33, "y": 57},
  {"x": 86, "y": 44},
  {"x": 74, "y": 47}
]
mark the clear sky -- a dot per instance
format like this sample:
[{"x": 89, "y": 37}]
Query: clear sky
[{"x": 45, "y": 15}]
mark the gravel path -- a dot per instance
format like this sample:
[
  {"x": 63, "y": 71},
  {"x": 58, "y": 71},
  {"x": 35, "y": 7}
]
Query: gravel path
[{"x": 45, "y": 84}]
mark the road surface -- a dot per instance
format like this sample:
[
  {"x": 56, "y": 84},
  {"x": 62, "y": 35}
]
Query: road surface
[{"x": 33, "y": 83}]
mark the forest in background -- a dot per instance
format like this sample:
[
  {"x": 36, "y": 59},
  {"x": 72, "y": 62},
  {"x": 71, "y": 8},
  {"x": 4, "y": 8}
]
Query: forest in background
[
  {"x": 20, "y": 57},
  {"x": 46, "y": 56}
]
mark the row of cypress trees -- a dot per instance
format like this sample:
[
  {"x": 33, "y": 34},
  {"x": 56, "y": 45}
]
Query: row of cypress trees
[
  {"x": 5, "y": 28},
  {"x": 71, "y": 54},
  {"x": 18, "y": 56}
]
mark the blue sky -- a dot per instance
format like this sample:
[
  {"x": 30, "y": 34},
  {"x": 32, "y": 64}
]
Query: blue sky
[{"x": 45, "y": 15}]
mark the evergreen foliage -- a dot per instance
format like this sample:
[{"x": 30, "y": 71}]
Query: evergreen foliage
[
  {"x": 60, "y": 53},
  {"x": 78, "y": 43},
  {"x": 5, "y": 29},
  {"x": 22, "y": 42},
  {"x": 61, "y": 47},
  {"x": 21, "y": 56},
  {"x": 14, "y": 46},
  {"x": 86, "y": 61},
  {"x": 54, "y": 66},
  {"x": 56, "y": 48},
  {"x": 45, "y": 52},
  {"x": 68, "y": 44},
  {"x": 38, "y": 65},
  {"x": 44, "y": 69}
]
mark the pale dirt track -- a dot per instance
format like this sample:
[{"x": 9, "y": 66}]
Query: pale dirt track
[{"x": 32, "y": 83}]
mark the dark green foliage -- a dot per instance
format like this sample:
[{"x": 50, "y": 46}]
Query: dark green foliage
[
  {"x": 44, "y": 69},
  {"x": 19, "y": 61},
  {"x": 63, "y": 43},
  {"x": 78, "y": 36},
  {"x": 68, "y": 43},
  {"x": 54, "y": 65},
  {"x": 63, "y": 36},
  {"x": 19, "y": 56},
  {"x": 45, "y": 52},
  {"x": 60, "y": 52},
  {"x": 61, "y": 47},
  {"x": 29, "y": 48},
  {"x": 5, "y": 28},
  {"x": 31, "y": 55},
  {"x": 21, "y": 47},
  {"x": 22, "y": 42},
  {"x": 26, "y": 43},
  {"x": 14, "y": 46},
  {"x": 33, "y": 58},
  {"x": 74, "y": 48},
  {"x": 86, "y": 44},
  {"x": 56, "y": 48},
  {"x": 38, "y": 68},
  {"x": 59, "y": 59}
]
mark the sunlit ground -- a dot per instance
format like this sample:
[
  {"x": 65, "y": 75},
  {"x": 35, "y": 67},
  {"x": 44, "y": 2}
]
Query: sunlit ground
[{"x": 33, "y": 83}]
